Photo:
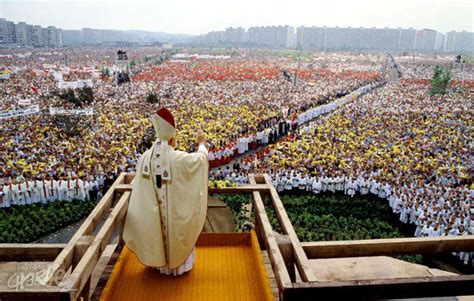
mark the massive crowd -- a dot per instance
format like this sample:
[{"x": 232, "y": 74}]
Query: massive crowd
[
  {"x": 397, "y": 142},
  {"x": 37, "y": 148}
]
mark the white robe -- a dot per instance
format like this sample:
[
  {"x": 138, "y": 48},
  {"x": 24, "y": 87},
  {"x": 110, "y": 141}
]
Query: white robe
[
  {"x": 289, "y": 182},
  {"x": 364, "y": 189},
  {"x": 22, "y": 194},
  {"x": 374, "y": 189},
  {"x": 166, "y": 239},
  {"x": 339, "y": 181},
  {"x": 28, "y": 191},
  {"x": 16, "y": 197},
  {"x": 53, "y": 190},
  {"x": 78, "y": 192},
  {"x": 332, "y": 184},
  {"x": 324, "y": 184},
  {"x": 70, "y": 190},
  {"x": 42, "y": 190},
  {"x": 87, "y": 186},
  {"x": 5, "y": 193},
  {"x": 61, "y": 187},
  {"x": 35, "y": 192},
  {"x": 316, "y": 186}
]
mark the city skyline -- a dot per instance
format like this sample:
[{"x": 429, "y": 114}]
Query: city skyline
[
  {"x": 282, "y": 36},
  {"x": 341, "y": 38},
  {"x": 187, "y": 18}
]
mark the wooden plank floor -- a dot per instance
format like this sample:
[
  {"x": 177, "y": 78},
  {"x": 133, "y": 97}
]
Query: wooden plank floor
[{"x": 228, "y": 267}]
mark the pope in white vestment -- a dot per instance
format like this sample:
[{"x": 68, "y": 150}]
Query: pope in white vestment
[{"x": 168, "y": 204}]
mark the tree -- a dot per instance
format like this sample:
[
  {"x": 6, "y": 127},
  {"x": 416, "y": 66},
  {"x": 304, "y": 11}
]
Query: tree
[
  {"x": 85, "y": 96},
  {"x": 441, "y": 81},
  {"x": 105, "y": 72},
  {"x": 68, "y": 96},
  {"x": 152, "y": 98}
]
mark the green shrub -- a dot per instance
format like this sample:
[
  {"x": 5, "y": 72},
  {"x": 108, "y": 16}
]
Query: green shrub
[
  {"x": 25, "y": 224},
  {"x": 329, "y": 217},
  {"x": 235, "y": 202}
]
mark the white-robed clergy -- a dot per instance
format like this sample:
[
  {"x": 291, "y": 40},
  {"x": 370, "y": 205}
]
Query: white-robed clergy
[
  {"x": 42, "y": 190},
  {"x": 168, "y": 204},
  {"x": 78, "y": 191},
  {"x": 62, "y": 189}
]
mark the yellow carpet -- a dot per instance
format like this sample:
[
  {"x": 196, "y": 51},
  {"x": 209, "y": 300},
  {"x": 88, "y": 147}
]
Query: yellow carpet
[{"x": 228, "y": 266}]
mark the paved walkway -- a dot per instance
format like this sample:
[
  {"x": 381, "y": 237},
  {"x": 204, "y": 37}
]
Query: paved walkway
[{"x": 62, "y": 235}]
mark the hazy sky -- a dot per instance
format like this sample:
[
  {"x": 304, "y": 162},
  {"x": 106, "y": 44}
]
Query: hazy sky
[{"x": 201, "y": 16}]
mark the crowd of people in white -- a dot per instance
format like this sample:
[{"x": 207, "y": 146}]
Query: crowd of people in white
[{"x": 22, "y": 191}]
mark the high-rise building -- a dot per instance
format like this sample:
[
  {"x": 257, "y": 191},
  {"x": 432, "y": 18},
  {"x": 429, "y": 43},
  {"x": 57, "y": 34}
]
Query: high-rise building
[
  {"x": 348, "y": 38},
  {"x": 23, "y": 34},
  {"x": 425, "y": 40},
  {"x": 273, "y": 36},
  {"x": 319, "y": 38},
  {"x": 459, "y": 42},
  {"x": 49, "y": 36},
  {"x": 214, "y": 37},
  {"x": 3, "y": 31},
  {"x": 311, "y": 37},
  {"x": 439, "y": 41},
  {"x": 287, "y": 36},
  {"x": 406, "y": 40},
  {"x": 38, "y": 36},
  {"x": 345, "y": 37},
  {"x": 235, "y": 35},
  {"x": 26, "y": 35},
  {"x": 8, "y": 32},
  {"x": 390, "y": 38},
  {"x": 332, "y": 38}
]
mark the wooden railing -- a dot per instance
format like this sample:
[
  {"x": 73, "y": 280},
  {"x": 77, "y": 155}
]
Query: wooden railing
[{"x": 77, "y": 266}]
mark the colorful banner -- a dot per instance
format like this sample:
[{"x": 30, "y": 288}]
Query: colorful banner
[
  {"x": 24, "y": 102},
  {"x": 59, "y": 111},
  {"x": 19, "y": 112},
  {"x": 75, "y": 84}
]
